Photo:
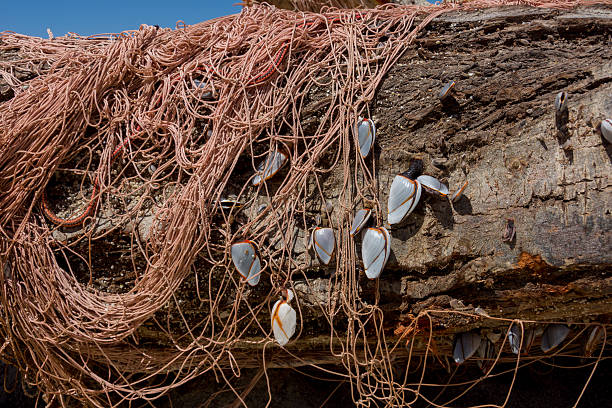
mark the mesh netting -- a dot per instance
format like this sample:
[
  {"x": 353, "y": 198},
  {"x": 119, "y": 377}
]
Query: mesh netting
[{"x": 148, "y": 135}]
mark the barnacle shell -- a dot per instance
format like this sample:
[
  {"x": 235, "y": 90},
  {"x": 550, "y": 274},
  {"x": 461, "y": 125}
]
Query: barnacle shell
[
  {"x": 466, "y": 345},
  {"x": 361, "y": 218},
  {"x": 261, "y": 208},
  {"x": 606, "y": 129},
  {"x": 457, "y": 194},
  {"x": 529, "y": 339},
  {"x": 245, "y": 259},
  {"x": 283, "y": 321},
  {"x": 270, "y": 166},
  {"x": 487, "y": 353},
  {"x": 199, "y": 84},
  {"x": 596, "y": 336},
  {"x": 208, "y": 95},
  {"x": 446, "y": 90},
  {"x": 509, "y": 231},
  {"x": 375, "y": 251},
  {"x": 514, "y": 338},
  {"x": 366, "y": 132},
  {"x": 230, "y": 201},
  {"x": 433, "y": 186},
  {"x": 290, "y": 295},
  {"x": 404, "y": 196},
  {"x": 553, "y": 335},
  {"x": 561, "y": 102},
  {"x": 323, "y": 242}
]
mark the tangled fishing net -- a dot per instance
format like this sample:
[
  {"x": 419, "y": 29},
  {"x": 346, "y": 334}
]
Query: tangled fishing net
[{"x": 153, "y": 132}]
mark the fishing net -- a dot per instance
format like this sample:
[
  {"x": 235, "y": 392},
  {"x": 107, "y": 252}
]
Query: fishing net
[
  {"x": 318, "y": 5},
  {"x": 143, "y": 146}
]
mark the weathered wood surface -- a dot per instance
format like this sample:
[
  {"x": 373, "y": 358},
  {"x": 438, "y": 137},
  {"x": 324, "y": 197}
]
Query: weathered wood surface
[
  {"x": 501, "y": 137},
  {"x": 499, "y": 134}
]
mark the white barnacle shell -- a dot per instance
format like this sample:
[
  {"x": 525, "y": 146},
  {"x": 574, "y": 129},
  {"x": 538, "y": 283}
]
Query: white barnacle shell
[
  {"x": 366, "y": 133},
  {"x": 290, "y": 295},
  {"x": 466, "y": 345},
  {"x": 230, "y": 201},
  {"x": 283, "y": 321},
  {"x": 199, "y": 84},
  {"x": 553, "y": 335},
  {"x": 245, "y": 259},
  {"x": 596, "y": 336},
  {"x": 375, "y": 251},
  {"x": 433, "y": 186},
  {"x": 270, "y": 166},
  {"x": 606, "y": 129},
  {"x": 446, "y": 90},
  {"x": 261, "y": 208},
  {"x": 323, "y": 241},
  {"x": 404, "y": 196},
  {"x": 561, "y": 102},
  {"x": 361, "y": 218},
  {"x": 457, "y": 194},
  {"x": 514, "y": 338}
]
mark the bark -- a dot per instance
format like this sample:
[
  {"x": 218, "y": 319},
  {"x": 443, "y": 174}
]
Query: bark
[{"x": 498, "y": 132}]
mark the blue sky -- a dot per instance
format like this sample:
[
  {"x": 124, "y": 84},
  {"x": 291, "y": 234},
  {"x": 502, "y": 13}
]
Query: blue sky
[{"x": 88, "y": 17}]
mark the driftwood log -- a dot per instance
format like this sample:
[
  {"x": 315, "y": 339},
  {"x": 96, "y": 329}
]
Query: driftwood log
[{"x": 497, "y": 132}]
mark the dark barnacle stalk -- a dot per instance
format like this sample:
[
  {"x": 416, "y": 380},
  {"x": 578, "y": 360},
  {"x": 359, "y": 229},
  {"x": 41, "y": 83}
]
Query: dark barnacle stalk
[{"x": 415, "y": 169}]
